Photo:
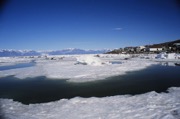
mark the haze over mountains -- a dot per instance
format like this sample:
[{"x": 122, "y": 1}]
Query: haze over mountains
[
  {"x": 11, "y": 53},
  {"x": 68, "y": 51}
]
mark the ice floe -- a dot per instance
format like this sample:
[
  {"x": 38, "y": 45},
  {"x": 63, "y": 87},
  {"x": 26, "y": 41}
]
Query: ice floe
[{"x": 97, "y": 68}]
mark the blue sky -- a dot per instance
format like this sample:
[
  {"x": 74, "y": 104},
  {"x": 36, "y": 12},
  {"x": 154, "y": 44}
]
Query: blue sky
[{"x": 87, "y": 24}]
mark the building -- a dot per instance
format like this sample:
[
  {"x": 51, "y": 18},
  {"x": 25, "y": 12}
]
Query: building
[{"x": 154, "y": 49}]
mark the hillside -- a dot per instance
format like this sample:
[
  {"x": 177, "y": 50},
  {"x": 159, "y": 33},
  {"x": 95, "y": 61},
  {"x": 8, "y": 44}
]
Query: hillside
[
  {"x": 134, "y": 49},
  {"x": 166, "y": 44}
]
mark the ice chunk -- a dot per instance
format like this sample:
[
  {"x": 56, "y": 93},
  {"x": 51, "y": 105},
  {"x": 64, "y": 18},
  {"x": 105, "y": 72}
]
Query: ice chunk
[
  {"x": 171, "y": 56},
  {"x": 161, "y": 56},
  {"x": 89, "y": 60},
  {"x": 167, "y": 56}
]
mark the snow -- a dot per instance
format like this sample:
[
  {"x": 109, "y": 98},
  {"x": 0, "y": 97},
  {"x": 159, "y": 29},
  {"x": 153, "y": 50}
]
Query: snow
[
  {"x": 151, "y": 105},
  {"x": 161, "y": 56},
  {"x": 83, "y": 68},
  {"x": 5, "y": 61},
  {"x": 90, "y": 60},
  {"x": 171, "y": 56},
  {"x": 167, "y": 56},
  {"x": 66, "y": 67}
]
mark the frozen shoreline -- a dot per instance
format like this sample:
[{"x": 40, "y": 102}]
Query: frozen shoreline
[
  {"x": 150, "y": 105},
  {"x": 80, "y": 68},
  {"x": 73, "y": 68}
]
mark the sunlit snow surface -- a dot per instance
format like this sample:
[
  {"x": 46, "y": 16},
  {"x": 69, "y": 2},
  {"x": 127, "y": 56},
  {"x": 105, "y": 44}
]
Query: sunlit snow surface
[
  {"x": 151, "y": 105},
  {"x": 82, "y": 68},
  {"x": 77, "y": 68}
]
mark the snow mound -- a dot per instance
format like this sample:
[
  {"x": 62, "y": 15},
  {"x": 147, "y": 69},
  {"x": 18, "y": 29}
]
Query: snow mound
[
  {"x": 151, "y": 105},
  {"x": 167, "y": 56},
  {"x": 171, "y": 56},
  {"x": 89, "y": 60},
  {"x": 161, "y": 56}
]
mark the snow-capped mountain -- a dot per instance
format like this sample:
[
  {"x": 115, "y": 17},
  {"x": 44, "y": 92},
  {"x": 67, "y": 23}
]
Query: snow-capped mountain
[
  {"x": 11, "y": 53},
  {"x": 76, "y": 51}
]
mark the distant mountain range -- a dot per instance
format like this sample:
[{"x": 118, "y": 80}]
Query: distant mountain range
[{"x": 12, "y": 53}]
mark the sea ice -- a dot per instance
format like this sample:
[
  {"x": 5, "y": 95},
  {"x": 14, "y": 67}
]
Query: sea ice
[
  {"x": 167, "y": 56},
  {"x": 5, "y": 61},
  {"x": 151, "y": 105},
  {"x": 97, "y": 68},
  {"x": 161, "y": 56}
]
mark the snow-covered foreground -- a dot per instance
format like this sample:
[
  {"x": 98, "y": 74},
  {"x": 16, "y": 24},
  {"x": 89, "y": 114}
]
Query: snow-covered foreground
[
  {"x": 151, "y": 105},
  {"x": 82, "y": 68},
  {"x": 78, "y": 68}
]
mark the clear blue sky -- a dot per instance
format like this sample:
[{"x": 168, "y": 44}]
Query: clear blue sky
[{"x": 87, "y": 24}]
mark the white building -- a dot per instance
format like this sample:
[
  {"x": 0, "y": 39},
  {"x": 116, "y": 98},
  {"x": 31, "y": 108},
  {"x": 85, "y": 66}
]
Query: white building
[{"x": 154, "y": 49}]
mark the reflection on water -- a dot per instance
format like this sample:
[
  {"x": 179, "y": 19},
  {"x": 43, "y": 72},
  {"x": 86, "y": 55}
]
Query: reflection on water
[{"x": 41, "y": 89}]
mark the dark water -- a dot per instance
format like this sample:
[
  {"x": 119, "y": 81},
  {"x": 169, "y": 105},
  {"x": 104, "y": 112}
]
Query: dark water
[
  {"x": 40, "y": 89},
  {"x": 20, "y": 65},
  {"x": 116, "y": 62}
]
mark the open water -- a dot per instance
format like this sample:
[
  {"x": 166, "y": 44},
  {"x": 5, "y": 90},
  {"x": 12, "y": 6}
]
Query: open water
[{"x": 41, "y": 89}]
